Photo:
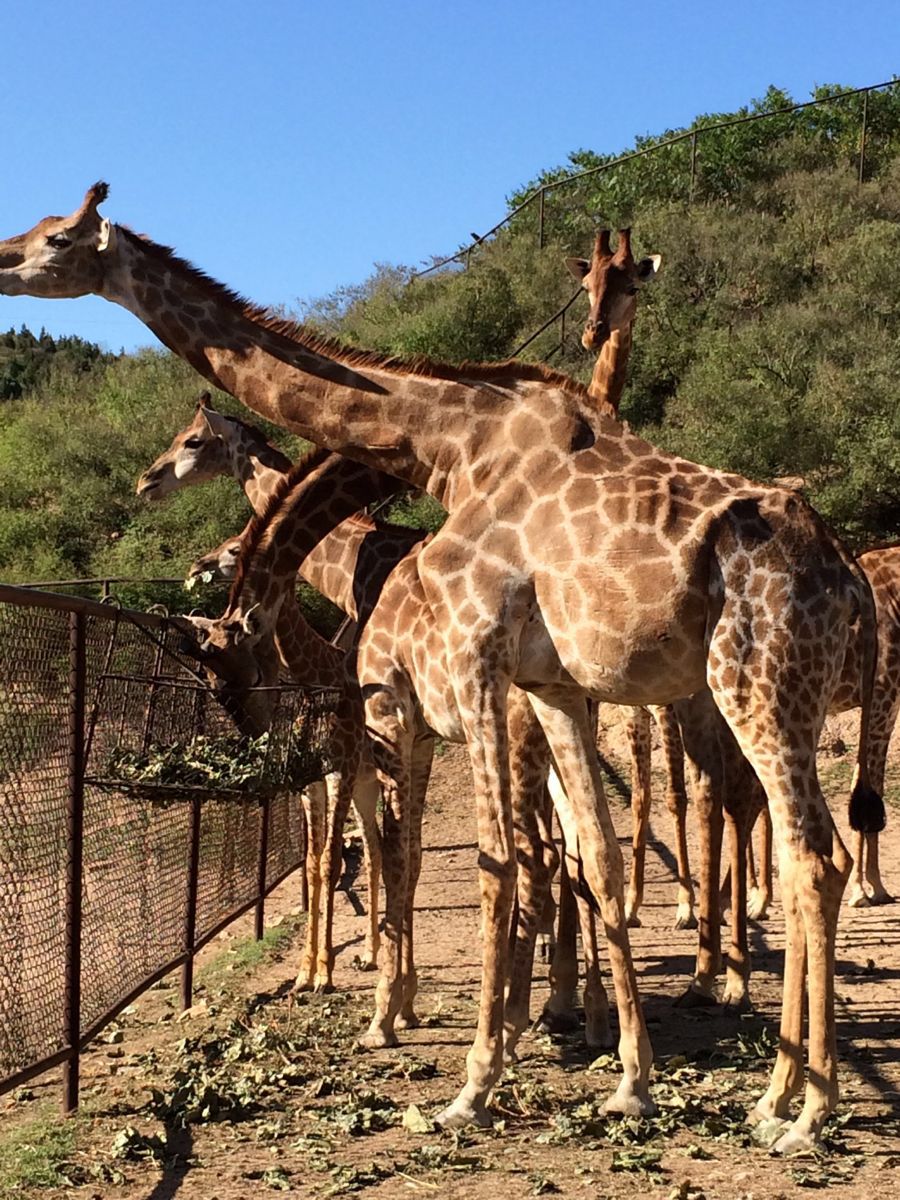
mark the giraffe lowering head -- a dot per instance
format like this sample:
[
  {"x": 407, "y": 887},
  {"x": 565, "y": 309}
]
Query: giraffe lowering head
[{"x": 612, "y": 281}]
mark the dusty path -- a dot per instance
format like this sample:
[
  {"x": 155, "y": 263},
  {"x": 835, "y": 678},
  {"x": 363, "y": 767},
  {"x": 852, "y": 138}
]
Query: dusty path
[{"x": 328, "y": 1121}]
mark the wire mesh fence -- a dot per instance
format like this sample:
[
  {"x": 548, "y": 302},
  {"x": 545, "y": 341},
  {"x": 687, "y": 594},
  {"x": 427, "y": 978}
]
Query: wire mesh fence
[{"x": 112, "y": 872}]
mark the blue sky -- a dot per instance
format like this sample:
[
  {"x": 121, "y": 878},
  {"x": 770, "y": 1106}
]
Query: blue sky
[{"x": 286, "y": 148}]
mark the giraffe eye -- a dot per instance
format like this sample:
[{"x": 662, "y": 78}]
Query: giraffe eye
[
  {"x": 631, "y": 291},
  {"x": 59, "y": 241},
  {"x": 193, "y": 443}
]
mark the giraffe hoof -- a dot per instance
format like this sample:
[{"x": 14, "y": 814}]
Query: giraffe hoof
[
  {"x": 407, "y": 1021},
  {"x": 632, "y": 920},
  {"x": 767, "y": 1130},
  {"x": 378, "y": 1039},
  {"x": 738, "y": 1005},
  {"x": 757, "y": 905},
  {"x": 880, "y": 896},
  {"x": 364, "y": 963},
  {"x": 323, "y": 987},
  {"x": 462, "y": 1113},
  {"x": 685, "y": 920},
  {"x": 696, "y": 996},
  {"x": 858, "y": 898},
  {"x": 302, "y": 984},
  {"x": 625, "y": 1102},
  {"x": 557, "y": 1022},
  {"x": 795, "y": 1141}
]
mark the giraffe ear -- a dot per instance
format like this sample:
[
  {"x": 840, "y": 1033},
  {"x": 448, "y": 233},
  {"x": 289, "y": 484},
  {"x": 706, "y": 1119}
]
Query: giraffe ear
[
  {"x": 216, "y": 423},
  {"x": 648, "y": 268},
  {"x": 253, "y": 623},
  {"x": 106, "y": 238},
  {"x": 578, "y": 267}
]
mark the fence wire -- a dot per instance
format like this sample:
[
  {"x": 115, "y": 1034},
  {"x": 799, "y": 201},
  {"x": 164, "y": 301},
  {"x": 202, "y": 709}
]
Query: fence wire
[{"x": 142, "y": 907}]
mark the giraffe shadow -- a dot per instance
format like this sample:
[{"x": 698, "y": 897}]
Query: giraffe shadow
[{"x": 179, "y": 1147}]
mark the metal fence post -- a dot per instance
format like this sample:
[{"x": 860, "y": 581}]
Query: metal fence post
[
  {"x": 862, "y": 138},
  {"x": 259, "y": 925},
  {"x": 541, "y": 221},
  {"x": 190, "y": 915},
  {"x": 74, "y": 859},
  {"x": 693, "y": 166}
]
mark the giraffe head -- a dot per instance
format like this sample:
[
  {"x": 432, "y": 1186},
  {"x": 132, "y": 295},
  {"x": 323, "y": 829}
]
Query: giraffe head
[
  {"x": 221, "y": 563},
  {"x": 237, "y": 652},
  {"x": 612, "y": 281},
  {"x": 60, "y": 257},
  {"x": 198, "y": 452}
]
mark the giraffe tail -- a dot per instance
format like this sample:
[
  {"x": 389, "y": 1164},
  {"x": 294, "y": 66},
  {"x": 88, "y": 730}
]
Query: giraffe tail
[
  {"x": 867, "y": 813},
  {"x": 866, "y": 810}
]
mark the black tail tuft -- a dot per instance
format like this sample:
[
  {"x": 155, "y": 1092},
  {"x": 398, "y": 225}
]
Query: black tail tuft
[{"x": 866, "y": 810}]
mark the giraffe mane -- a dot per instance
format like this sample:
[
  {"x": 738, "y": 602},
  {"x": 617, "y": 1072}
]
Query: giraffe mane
[
  {"x": 267, "y": 520},
  {"x": 509, "y": 371}
]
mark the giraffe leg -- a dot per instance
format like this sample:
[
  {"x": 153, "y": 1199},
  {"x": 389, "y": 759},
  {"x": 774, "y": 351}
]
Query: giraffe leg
[
  {"x": 392, "y": 752},
  {"x": 315, "y": 803},
  {"x": 698, "y": 722},
  {"x": 638, "y": 729},
  {"x": 676, "y": 803},
  {"x": 581, "y": 803},
  {"x": 340, "y": 786},
  {"x": 482, "y": 703},
  {"x": 597, "y": 1032},
  {"x": 878, "y": 892},
  {"x": 304, "y": 851},
  {"x": 529, "y": 758},
  {"x": 777, "y": 723},
  {"x": 743, "y": 801},
  {"x": 885, "y": 706},
  {"x": 857, "y": 896},
  {"x": 365, "y": 800},
  {"x": 761, "y": 893},
  {"x": 787, "y": 1074},
  {"x": 546, "y": 939},
  {"x": 559, "y": 1014},
  {"x": 423, "y": 754}
]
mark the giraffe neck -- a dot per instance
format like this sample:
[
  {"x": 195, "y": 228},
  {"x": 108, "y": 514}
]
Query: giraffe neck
[
  {"x": 349, "y": 565},
  {"x": 428, "y": 425},
  {"x": 309, "y": 658},
  {"x": 258, "y": 469},
  {"x": 608, "y": 378},
  {"x": 333, "y": 489}
]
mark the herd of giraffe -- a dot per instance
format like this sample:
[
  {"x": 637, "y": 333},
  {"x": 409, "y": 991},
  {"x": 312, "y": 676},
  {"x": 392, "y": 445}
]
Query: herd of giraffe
[{"x": 578, "y": 563}]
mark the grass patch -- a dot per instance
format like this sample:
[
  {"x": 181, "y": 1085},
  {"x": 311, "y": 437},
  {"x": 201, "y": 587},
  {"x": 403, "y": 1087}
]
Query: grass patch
[
  {"x": 244, "y": 955},
  {"x": 36, "y": 1154}
]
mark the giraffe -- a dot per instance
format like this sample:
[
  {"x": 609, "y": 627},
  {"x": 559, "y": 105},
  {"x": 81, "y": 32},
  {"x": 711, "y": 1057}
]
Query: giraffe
[
  {"x": 614, "y": 300},
  {"x": 349, "y": 566},
  {"x": 577, "y": 560},
  {"x": 882, "y": 568},
  {"x": 402, "y": 672},
  {"x": 313, "y": 661}
]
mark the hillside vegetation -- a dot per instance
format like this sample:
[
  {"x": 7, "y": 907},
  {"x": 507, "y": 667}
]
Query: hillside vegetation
[{"x": 769, "y": 345}]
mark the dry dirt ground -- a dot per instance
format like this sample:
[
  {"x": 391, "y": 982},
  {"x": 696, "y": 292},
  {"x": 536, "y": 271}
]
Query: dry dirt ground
[{"x": 255, "y": 1094}]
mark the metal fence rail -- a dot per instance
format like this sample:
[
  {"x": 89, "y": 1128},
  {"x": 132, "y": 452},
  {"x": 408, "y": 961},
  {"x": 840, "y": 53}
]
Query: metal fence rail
[
  {"x": 103, "y": 892},
  {"x": 539, "y": 195}
]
